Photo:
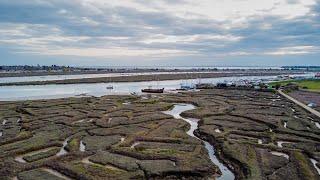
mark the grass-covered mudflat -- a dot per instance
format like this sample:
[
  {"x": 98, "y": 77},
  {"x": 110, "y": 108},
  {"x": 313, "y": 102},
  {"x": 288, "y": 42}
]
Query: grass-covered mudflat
[
  {"x": 308, "y": 84},
  {"x": 112, "y": 137},
  {"x": 260, "y": 135}
]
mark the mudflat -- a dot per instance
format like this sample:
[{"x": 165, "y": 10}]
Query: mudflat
[
  {"x": 261, "y": 135},
  {"x": 156, "y": 77},
  {"x": 258, "y": 135},
  {"x": 307, "y": 97}
]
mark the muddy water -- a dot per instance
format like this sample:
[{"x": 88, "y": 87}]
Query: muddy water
[
  {"x": 82, "y": 147},
  {"x": 87, "y": 161},
  {"x": 56, "y": 173},
  {"x": 280, "y": 154},
  {"x": 279, "y": 143},
  {"x": 63, "y": 150},
  {"x": 176, "y": 112},
  {"x": 285, "y": 124},
  {"x": 317, "y": 125},
  {"x": 122, "y": 139},
  {"x": 20, "y": 157},
  {"x": 314, "y": 162},
  {"x": 126, "y": 103},
  {"x": 134, "y": 145}
]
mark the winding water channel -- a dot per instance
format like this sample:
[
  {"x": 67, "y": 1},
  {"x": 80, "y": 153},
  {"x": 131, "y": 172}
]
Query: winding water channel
[
  {"x": 63, "y": 151},
  {"x": 176, "y": 113}
]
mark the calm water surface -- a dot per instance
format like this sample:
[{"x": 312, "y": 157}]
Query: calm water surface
[
  {"x": 9, "y": 93},
  {"x": 80, "y": 76}
]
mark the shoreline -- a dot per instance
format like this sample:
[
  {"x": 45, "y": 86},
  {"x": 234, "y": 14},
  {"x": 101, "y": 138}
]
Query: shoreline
[
  {"x": 132, "y": 70},
  {"x": 157, "y": 77},
  {"x": 111, "y": 71},
  {"x": 31, "y": 74}
]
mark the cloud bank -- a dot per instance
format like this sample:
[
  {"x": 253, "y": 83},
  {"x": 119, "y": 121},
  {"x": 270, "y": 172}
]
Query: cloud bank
[{"x": 166, "y": 30}]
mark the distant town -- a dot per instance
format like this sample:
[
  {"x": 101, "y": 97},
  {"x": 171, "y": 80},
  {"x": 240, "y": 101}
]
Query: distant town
[{"x": 57, "y": 68}]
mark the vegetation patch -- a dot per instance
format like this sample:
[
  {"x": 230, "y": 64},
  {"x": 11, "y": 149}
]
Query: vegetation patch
[{"x": 313, "y": 85}]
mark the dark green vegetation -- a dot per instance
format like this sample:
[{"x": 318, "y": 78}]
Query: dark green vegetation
[
  {"x": 311, "y": 84},
  {"x": 262, "y": 135}
]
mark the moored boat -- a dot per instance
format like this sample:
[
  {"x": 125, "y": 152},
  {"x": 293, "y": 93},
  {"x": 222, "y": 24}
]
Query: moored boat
[
  {"x": 150, "y": 90},
  {"x": 186, "y": 87},
  {"x": 109, "y": 87}
]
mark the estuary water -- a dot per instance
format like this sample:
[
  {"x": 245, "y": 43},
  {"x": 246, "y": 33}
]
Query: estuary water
[
  {"x": 82, "y": 76},
  {"x": 32, "y": 92}
]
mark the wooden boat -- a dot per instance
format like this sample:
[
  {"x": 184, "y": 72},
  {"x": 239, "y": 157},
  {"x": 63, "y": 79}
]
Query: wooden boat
[{"x": 149, "y": 90}]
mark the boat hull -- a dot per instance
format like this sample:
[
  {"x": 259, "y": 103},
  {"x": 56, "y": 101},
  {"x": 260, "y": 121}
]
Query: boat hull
[{"x": 152, "y": 90}]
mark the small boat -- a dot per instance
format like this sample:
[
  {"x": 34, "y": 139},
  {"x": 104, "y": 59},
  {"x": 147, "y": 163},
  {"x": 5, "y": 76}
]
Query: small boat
[
  {"x": 150, "y": 90},
  {"x": 186, "y": 87},
  {"x": 133, "y": 93},
  {"x": 109, "y": 87}
]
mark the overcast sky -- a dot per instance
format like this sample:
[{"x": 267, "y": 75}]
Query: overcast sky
[{"x": 160, "y": 32}]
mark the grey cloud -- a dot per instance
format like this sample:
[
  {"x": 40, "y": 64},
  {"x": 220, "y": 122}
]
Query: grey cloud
[{"x": 74, "y": 20}]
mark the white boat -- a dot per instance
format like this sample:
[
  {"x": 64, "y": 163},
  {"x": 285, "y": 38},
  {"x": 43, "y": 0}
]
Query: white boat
[{"x": 187, "y": 86}]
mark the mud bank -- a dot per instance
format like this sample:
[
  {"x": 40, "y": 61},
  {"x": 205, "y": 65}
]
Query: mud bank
[{"x": 140, "y": 78}]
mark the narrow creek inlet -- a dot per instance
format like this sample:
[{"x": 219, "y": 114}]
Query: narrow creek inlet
[{"x": 176, "y": 113}]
